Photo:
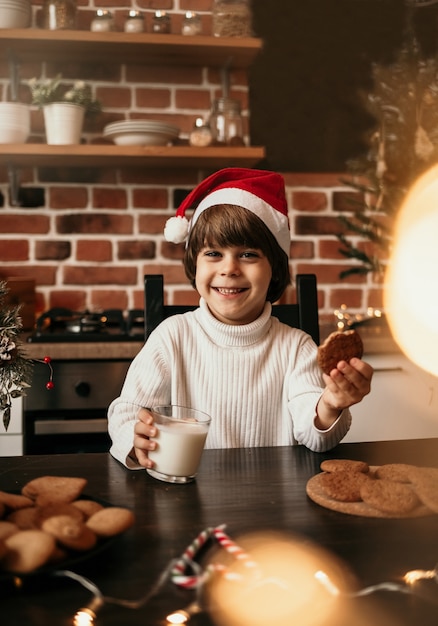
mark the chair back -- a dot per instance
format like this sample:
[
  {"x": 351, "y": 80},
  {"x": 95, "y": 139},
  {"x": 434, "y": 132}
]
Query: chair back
[{"x": 303, "y": 314}]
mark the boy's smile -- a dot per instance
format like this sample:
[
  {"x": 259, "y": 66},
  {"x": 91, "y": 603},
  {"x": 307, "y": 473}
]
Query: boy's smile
[{"x": 234, "y": 282}]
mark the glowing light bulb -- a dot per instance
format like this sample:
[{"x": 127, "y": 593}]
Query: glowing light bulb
[
  {"x": 411, "y": 294},
  {"x": 84, "y": 617},
  {"x": 179, "y": 617}
]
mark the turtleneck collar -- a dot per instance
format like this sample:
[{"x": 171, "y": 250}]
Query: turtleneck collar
[{"x": 238, "y": 335}]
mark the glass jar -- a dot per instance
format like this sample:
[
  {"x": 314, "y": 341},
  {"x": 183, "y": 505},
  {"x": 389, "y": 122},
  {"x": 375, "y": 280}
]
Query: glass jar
[
  {"x": 191, "y": 24},
  {"x": 226, "y": 122},
  {"x": 161, "y": 22},
  {"x": 134, "y": 22},
  {"x": 201, "y": 135},
  {"x": 59, "y": 14},
  {"x": 232, "y": 18},
  {"x": 103, "y": 22}
]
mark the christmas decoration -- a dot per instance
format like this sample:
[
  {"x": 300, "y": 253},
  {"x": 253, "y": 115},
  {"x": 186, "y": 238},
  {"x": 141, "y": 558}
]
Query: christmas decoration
[
  {"x": 15, "y": 368},
  {"x": 402, "y": 146},
  {"x": 187, "y": 574}
]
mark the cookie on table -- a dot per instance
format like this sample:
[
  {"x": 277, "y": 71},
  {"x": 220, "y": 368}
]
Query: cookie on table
[
  {"x": 425, "y": 482},
  {"x": 69, "y": 532},
  {"x": 397, "y": 472},
  {"x": 46, "y": 489},
  {"x": 339, "y": 346},
  {"x": 344, "y": 486},
  {"x": 27, "y": 550},
  {"x": 88, "y": 507},
  {"x": 110, "y": 521},
  {"x": 14, "y": 501},
  {"x": 344, "y": 465},
  {"x": 55, "y": 509},
  {"x": 23, "y": 518},
  {"x": 389, "y": 497},
  {"x": 7, "y": 529}
]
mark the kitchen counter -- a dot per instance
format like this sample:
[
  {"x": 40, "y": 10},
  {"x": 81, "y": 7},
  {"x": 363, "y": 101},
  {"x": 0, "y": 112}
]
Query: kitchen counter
[{"x": 104, "y": 350}]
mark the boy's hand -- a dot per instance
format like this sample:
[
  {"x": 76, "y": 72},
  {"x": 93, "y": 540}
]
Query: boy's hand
[
  {"x": 144, "y": 429},
  {"x": 346, "y": 385}
]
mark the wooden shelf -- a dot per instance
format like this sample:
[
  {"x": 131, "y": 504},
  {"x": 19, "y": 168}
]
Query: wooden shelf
[
  {"x": 32, "y": 44},
  {"x": 97, "y": 155},
  {"x": 141, "y": 48}
]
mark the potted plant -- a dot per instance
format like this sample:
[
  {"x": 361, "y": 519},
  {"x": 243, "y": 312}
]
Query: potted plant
[{"x": 64, "y": 109}]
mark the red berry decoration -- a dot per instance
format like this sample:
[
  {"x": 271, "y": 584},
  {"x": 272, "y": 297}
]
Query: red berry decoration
[
  {"x": 47, "y": 359},
  {"x": 50, "y": 385}
]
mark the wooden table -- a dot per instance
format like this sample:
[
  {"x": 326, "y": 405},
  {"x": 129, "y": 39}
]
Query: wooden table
[{"x": 246, "y": 489}]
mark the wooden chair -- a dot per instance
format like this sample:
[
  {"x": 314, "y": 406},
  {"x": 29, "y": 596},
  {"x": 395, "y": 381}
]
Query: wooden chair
[{"x": 303, "y": 314}]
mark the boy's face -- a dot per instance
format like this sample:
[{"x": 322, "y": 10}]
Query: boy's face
[{"x": 234, "y": 282}]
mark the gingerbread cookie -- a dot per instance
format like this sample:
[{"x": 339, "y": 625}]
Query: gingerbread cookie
[
  {"x": 389, "y": 496},
  {"x": 339, "y": 346},
  {"x": 397, "y": 472},
  {"x": 343, "y": 485},
  {"x": 346, "y": 465},
  {"x": 47, "y": 523}
]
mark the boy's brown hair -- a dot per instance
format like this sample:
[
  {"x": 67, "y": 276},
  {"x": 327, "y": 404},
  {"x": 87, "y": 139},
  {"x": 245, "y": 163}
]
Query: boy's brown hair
[{"x": 230, "y": 225}]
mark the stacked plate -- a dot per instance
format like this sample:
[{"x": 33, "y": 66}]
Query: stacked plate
[
  {"x": 140, "y": 133},
  {"x": 15, "y": 13},
  {"x": 14, "y": 122}
]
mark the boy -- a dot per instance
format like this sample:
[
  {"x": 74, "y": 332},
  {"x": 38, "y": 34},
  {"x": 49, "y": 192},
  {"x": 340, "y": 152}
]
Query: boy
[{"x": 257, "y": 378}]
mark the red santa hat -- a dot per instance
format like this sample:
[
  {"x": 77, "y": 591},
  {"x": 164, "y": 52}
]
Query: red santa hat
[{"x": 259, "y": 191}]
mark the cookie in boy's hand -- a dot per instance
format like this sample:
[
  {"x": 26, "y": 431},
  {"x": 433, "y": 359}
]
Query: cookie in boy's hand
[{"x": 339, "y": 346}]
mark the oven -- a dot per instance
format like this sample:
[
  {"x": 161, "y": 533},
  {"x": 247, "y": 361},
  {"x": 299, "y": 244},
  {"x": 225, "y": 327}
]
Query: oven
[{"x": 71, "y": 417}]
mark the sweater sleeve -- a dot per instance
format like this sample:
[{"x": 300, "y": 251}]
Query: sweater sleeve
[
  {"x": 304, "y": 387},
  {"x": 147, "y": 384}
]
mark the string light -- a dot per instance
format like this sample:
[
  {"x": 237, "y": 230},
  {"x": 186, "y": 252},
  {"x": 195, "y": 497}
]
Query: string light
[
  {"x": 346, "y": 320},
  {"x": 182, "y": 616},
  {"x": 196, "y": 577}
]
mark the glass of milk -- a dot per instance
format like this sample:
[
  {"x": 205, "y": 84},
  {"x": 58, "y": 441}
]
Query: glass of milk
[{"x": 181, "y": 435}]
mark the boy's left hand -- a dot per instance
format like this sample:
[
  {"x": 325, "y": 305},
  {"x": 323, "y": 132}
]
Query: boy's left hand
[{"x": 347, "y": 384}]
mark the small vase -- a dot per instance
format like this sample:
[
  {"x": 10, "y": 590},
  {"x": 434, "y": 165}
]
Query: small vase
[{"x": 63, "y": 122}]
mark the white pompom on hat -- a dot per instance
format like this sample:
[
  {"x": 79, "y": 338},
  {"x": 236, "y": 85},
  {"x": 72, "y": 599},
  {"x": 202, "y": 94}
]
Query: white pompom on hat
[{"x": 259, "y": 191}]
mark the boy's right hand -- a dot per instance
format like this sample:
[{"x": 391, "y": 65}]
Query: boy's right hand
[{"x": 144, "y": 429}]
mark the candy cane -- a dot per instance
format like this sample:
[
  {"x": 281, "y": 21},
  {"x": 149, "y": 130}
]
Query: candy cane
[
  {"x": 189, "y": 581},
  {"x": 230, "y": 546}
]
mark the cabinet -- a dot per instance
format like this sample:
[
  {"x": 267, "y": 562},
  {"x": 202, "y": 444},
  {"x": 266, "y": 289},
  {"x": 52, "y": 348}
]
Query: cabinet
[
  {"x": 40, "y": 45},
  {"x": 403, "y": 403},
  {"x": 11, "y": 441}
]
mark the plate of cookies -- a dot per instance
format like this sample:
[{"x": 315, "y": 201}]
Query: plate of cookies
[
  {"x": 51, "y": 524},
  {"x": 394, "y": 490}
]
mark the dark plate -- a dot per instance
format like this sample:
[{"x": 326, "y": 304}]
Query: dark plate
[{"x": 70, "y": 561}]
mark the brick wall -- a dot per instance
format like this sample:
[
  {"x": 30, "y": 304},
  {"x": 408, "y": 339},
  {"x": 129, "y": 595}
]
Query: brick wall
[{"x": 87, "y": 237}]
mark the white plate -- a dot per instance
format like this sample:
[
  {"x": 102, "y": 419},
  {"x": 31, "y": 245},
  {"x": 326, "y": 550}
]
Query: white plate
[
  {"x": 140, "y": 139},
  {"x": 141, "y": 126}
]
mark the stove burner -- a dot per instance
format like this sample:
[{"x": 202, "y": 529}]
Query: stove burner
[{"x": 59, "y": 324}]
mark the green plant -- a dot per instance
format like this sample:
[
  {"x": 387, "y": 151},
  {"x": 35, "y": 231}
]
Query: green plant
[
  {"x": 403, "y": 144},
  {"x": 52, "y": 90},
  {"x": 15, "y": 369}
]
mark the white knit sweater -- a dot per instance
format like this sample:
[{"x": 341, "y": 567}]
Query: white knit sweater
[{"x": 259, "y": 382}]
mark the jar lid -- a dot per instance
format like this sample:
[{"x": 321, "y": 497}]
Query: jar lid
[{"x": 104, "y": 13}]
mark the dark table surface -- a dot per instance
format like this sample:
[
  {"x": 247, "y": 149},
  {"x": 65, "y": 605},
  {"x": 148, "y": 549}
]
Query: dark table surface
[{"x": 257, "y": 489}]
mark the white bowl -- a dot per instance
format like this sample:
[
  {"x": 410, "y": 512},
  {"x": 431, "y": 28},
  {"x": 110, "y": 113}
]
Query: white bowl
[
  {"x": 15, "y": 14},
  {"x": 14, "y": 122}
]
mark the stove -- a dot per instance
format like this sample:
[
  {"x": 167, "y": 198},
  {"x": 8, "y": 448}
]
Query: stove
[
  {"x": 64, "y": 325},
  {"x": 72, "y": 417}
]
